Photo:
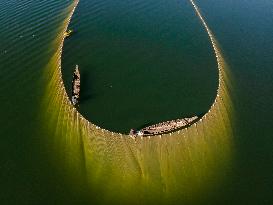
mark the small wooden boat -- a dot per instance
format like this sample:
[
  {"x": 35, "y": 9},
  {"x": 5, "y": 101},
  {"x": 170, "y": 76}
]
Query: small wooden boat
[
  {"x": 68, "y": 33},
  {"x": 76, "y": 82}
]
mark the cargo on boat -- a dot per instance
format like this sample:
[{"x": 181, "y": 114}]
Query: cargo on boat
[
  {"x": 76, "y": 82},
  {"x": 164, "y": 127}
]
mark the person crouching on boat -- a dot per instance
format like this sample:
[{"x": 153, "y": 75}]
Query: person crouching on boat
[{"x": 74, "y": 100}]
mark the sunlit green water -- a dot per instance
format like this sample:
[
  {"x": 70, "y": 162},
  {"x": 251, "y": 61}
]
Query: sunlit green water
[
  {"x": 216, "y": 162},
  {"x": 144, "y": 170}
]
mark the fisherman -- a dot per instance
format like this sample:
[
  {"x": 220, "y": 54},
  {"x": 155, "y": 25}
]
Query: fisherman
[
  {"x": 74, "y": 100},
  {"x": 132, "y": 132},
  {"x": 140, "y": 133}
]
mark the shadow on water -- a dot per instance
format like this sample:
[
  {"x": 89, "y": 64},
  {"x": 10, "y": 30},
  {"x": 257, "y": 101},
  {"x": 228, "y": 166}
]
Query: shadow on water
[
  {"x": 87, "y": 92},
  {"x": 144, "y": 125}
]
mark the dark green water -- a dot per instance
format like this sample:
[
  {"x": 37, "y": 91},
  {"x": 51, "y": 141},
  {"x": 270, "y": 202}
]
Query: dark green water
[
  {"x": 141, "y": 62},
  {"x": 244, "y": 30}
]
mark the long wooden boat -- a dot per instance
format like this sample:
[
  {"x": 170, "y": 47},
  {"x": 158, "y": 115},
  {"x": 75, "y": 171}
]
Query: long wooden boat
[
  {"x": 76, "y": 82},
  {"x": 164, "y": 127}
]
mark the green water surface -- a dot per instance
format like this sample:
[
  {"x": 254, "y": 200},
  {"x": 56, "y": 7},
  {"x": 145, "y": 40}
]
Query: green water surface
[
  {"x": 155, "y": 46},
  {"x": 141, "y": 62}
]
